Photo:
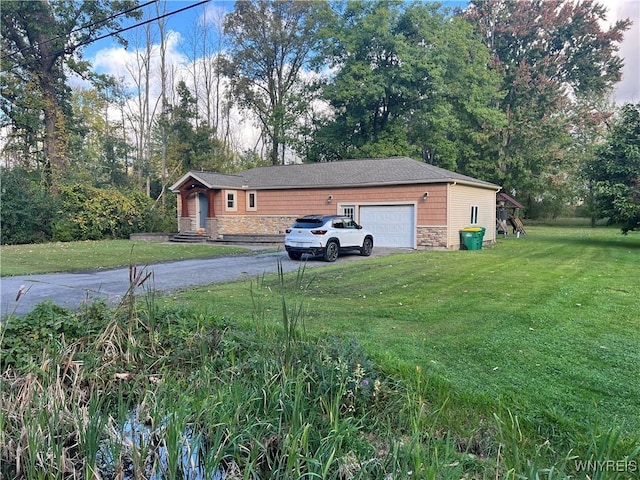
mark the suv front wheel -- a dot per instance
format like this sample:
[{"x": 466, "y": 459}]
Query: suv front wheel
[
  {"x": 367, "y": 247},
  {"x": 331, "y": 252}
]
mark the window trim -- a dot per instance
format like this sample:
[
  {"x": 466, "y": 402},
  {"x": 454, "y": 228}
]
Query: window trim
[
  {"x": 250, "y": 194},
  {"x": 234, "y": 200}
]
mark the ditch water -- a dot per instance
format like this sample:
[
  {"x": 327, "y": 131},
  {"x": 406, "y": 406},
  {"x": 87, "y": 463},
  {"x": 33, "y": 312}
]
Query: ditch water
[{"x": 158, "y": 453}]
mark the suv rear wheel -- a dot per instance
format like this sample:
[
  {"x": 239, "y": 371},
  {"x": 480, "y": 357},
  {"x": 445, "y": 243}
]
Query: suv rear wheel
[
  {"x": 331, "y": 252},
  {"x": 295, "y": 255}
]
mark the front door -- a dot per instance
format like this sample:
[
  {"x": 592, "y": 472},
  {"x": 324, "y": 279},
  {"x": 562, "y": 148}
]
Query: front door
[{"x": 203, "y": 208}]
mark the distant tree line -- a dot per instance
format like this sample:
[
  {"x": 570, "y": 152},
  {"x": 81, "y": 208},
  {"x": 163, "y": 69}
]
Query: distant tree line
[{"x": 513, "y": 92}]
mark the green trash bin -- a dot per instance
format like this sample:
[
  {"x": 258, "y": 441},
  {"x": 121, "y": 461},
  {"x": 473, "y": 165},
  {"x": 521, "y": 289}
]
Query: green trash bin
[{"x": 472, "y": 237}]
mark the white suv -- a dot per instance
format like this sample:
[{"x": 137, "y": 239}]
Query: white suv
[{"x": 326, "y": 235}]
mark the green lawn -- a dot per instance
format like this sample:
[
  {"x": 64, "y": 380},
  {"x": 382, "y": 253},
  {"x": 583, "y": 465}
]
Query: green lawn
[
  {"x": 546, "y": 325},
  {"x": 90, "y": 255}
]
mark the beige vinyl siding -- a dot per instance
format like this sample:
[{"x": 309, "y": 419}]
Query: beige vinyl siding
[{"x": 461, "y": 199}]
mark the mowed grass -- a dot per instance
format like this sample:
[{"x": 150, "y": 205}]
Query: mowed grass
[
  {"x": 546, "y": 326},
  {"x": 90, "y": 255}
]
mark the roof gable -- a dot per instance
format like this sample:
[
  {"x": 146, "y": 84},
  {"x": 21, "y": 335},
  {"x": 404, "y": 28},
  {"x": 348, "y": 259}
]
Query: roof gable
[{"x": 346, "y": 173}]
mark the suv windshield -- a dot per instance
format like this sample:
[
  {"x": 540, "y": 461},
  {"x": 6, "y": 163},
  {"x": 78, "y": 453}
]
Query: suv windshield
[{"x": 307, "y": 223}]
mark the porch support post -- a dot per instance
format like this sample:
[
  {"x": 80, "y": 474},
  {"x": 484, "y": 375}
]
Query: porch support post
[
  {"x": 184, "y": 196},
  {"x": 211, "y": 210}
]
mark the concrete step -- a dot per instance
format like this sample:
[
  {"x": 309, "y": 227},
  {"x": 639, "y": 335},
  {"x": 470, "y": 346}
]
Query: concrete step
[{"x": 189, "y": 237}]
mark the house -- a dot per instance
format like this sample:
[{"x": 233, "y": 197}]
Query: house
[{"x": 405, "y": 203}]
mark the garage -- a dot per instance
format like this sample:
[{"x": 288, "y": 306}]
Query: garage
[{"x": 391, "y": 225}]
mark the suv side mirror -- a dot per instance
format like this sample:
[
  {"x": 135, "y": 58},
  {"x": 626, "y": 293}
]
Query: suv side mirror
[{"x": 359, "y": 227}]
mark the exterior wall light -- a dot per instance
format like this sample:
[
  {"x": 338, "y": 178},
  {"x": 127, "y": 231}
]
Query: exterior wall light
[
  {"x": 329, "y": 198},
  {"x": 425, "y": 195}
]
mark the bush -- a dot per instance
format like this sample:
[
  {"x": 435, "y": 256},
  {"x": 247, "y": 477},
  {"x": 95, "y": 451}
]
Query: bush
[
  {"x": 89, "y": 213},
  {"x": 30, "y": 213},
  {"x": 44, "y": 330},
  {"x": 26, "y": 209}
]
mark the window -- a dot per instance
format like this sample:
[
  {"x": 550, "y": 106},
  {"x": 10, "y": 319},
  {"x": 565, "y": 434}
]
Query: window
[
  {"x": 350, "y": 224},
  {"x": 252, "y": 201},
  {"x": 349, "y": 211},
  {"x": 474, "y": 215},
  {"x": 230, "y": 200}
]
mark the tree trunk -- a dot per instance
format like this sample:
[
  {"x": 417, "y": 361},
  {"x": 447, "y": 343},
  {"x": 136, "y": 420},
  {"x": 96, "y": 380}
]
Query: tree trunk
[{"x": 55, "y": 137}]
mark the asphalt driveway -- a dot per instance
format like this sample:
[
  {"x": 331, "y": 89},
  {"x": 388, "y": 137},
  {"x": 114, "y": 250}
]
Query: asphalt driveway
[{"x": 70, "y": 290}]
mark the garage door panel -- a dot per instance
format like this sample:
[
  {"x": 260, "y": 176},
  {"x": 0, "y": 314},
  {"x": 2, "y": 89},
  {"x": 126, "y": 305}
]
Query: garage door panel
[{"x": 391, "y": 225}]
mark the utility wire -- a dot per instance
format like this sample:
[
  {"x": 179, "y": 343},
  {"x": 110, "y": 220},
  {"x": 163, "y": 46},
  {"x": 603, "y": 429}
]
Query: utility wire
[
  {"x": 91, "y": 40},
  {"x": 92, "y": 24},
  {"x": 110, "y": 34}
]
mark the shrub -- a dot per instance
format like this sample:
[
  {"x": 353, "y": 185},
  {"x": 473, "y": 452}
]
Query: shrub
[
  {"x": 26, "y": 209},
  {"x": 89, "y": 213},
  {"x": 43, "y": 330}
]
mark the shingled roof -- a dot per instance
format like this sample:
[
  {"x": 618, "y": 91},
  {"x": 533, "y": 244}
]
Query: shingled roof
[{"x": 346, "y": 173}]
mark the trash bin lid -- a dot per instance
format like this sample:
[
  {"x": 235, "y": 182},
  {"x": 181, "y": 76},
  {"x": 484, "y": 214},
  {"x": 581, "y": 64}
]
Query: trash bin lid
[{"x": 472, "y": 229}]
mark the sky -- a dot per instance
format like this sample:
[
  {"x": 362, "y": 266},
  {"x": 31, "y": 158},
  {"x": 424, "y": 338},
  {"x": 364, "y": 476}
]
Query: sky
[
  {"x": 628, "y": 90},
  {"x": 107, "y": 56}
]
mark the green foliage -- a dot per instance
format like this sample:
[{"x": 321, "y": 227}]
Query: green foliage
[
  {"x": 98, "y": 150},
  {"x": 411, "y": 81},
  {"x": 270, "y": 43},
  {"x": 35, "y": 65},
  {"x": 45, "y": 330},
  {"x": 551, "y": 55},
  {"x": 615, "y": 171},
  {"x": 406, "y": 390},
  {"x": 190, "y": 143},
  {"x": 26, "y": 208},
  {"x": 416, "y": 308},
  {"x": 88, "y": 213}
]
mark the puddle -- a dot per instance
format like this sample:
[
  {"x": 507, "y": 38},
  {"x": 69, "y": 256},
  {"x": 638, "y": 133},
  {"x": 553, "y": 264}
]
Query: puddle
[{"x": 137, "y": 449}]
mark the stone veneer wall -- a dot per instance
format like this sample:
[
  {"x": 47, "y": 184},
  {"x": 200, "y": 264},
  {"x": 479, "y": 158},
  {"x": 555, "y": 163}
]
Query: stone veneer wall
[
  {"x": 427, "y": 237},
  {"x": 431, "y": 237},
  {"x": 259, "y": 225},
  {"x": 185, "y": 224}
]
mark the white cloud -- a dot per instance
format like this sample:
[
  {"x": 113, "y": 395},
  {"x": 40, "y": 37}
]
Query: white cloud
[
  {"x": 213, "y": 15},
  {"x": 120, "y": 62},
  {"x": 628, "y": 89}
]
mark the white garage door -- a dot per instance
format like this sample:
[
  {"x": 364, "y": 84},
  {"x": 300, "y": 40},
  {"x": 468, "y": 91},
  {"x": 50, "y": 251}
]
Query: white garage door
[{"x": 392, "y": 225}]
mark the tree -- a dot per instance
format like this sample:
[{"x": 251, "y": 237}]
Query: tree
[
  {"x": 190, "y": 144},
  {"x": 410, "y": 80},
  {"x": 270, "y": 43},
  {"x": 550, "y": 53},
  {"x": 97, "y": 145},
  {"x": 41, "y": 41},
  {"x": 616, "y": 171}
]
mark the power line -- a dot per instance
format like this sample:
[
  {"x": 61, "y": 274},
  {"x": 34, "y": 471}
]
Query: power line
[
  {"x": 110, "y": 34},
  {"x": 139, "y": 24}
]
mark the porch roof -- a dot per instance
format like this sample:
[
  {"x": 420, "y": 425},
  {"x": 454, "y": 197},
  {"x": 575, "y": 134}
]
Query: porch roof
[{"x": 503, "y": 197}]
